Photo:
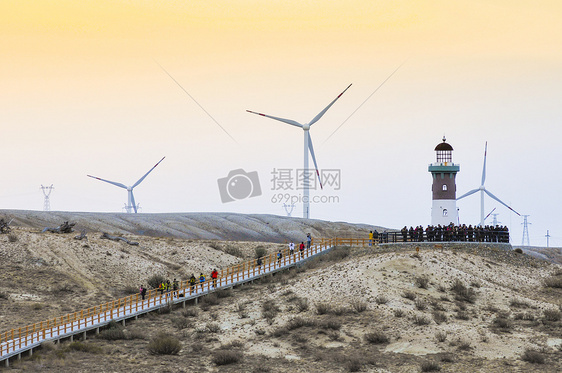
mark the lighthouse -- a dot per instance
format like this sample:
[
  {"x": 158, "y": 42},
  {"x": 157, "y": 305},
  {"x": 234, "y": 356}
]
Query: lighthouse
[{"x": 444, "y": 188}]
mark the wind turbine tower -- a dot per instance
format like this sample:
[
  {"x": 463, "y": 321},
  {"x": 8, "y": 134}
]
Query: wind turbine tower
[
  {"x": 306, "y": 182},
  {"x": 131, "y": 206},
  {"x": 482, "y": 189},
  {"x": 47, "y": 192},
  {"x": 525, "y": 230}
]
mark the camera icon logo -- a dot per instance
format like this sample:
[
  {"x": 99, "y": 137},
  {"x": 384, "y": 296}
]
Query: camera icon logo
[{"x": 238, "y": 185}]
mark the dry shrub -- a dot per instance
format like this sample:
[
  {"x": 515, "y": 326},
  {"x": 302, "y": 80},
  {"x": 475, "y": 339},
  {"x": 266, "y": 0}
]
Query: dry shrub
[
  {"x": 409, "y": 295},
  {"x": 299, "y": 322},
  {"x": 48, "y": 346},
  {"x": 441, "y": 336},
  {"x": 154, "y": 281},
  {"x": 525, "y": 316},
  {"x": 340, "y": 311},
  {"x": 302, "y": 304},
  {"x": 421, "y": 320},
  {"x": 190, "y": 312},
  {"x": 376, "y": 337},
  {"x": 323, "y": 308},
  {"x": 181, "y": 323},
  {"x": 399, "y": 312},
  {"x": 533, "y": 356},
  {"x": 554, "y": 282},
  {"x": 223, "y": 293},
  {"x": 462, "y": 292},
  {"x": 519, "y": 303},
  {"x": 210, "y": 300},
  {"x": 213, "y": 327},
  {"x": 462, "y": 315},
  {"x": 503, "y": 323},
  {"x": 430, "y": 366},
  {"x": 164, "y": 344},
  {"x": 439, "y": 317},
  {"x": 259, "y": 252},
  {"x": 381, "y": 299},
  {"x": 329, "y": 323},
  {"x": 84, "y": 347},
  {"x": 422, "y": 282},
  {"x": 12, "y": 237},
  {"x": 421, "y": 304},
  {"x": 112, "y": 334},
  {"x": 358, "y": 305},
  {"x": 552, "y": 315}
]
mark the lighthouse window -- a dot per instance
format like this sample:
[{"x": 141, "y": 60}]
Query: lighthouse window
[
  {"x": 445, "y": 212},
  {"x": 444, "y": 156},
  {"x": 444, "y": 187}
]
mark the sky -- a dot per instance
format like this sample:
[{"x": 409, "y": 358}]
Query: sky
[{"x": 108, "y": 88}]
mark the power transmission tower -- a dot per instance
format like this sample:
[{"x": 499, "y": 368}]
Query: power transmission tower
[
  {"x": 547, "y": 237},
  {"x": 495, "y": 220},
  {"x": 525, "y": 230},
  {"x": 289, "y": 209},
  {"x": 47, "y": 192}
]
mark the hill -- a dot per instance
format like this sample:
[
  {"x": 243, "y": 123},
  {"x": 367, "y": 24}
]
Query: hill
[
  {"x": 206, "y": 226},
  {"x": 466, "y": 307}
]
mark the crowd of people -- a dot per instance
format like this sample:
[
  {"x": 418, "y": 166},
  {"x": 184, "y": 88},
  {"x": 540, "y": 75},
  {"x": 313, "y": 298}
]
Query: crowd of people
[
  {"x": 443, "y": 233},
  {"x": 454, "y": 232}
]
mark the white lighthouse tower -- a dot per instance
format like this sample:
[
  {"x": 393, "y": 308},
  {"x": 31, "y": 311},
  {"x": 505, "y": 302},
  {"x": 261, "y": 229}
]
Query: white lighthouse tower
[{"x": 444, "y": 188}]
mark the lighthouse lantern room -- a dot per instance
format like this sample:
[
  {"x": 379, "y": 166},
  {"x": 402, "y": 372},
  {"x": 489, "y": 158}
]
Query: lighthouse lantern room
[{"x": 444, "y": 189}]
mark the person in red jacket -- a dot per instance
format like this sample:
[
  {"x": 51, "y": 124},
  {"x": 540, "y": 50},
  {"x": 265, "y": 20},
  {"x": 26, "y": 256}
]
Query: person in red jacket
[
  {"x": 301, "y": 248},
  {"x": 214, "y": 276}
]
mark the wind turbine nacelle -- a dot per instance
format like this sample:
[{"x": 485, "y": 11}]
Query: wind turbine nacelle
[{"x": 306, "y": 127}]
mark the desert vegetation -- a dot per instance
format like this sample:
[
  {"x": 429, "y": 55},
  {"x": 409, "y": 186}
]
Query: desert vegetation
[{"x": 352, "y": 310}]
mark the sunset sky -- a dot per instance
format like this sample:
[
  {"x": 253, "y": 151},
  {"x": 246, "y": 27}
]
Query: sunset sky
[{"x": 85, "y": 91}]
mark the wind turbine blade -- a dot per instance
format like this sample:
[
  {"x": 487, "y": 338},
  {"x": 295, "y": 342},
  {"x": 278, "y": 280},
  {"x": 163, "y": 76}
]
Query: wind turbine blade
[
  {"x": 484, "y": 168},
  {"x": 145, "y": 175},
  {"x": 110, "y": 182},
  {"x": 490, "y": 213},
  {"x": 316, "y": 118},
  {"x": 288, "y": 121},
  {"x": 133, "y": 201},
  {"x": 497, "y": 199},
  {"x": 311, "y": 149},
  {"x": 468, "y": 193}
]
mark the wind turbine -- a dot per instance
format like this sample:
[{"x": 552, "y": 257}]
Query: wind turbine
[
  {"x": 131, "y": 205},
  {"x": 307, "y": 149},
  {"x": 483, "y": 190}
]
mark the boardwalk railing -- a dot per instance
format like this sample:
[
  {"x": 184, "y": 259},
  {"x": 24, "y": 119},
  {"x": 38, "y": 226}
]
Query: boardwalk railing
[
  {"x": 441, "y": 236},
  {"x": 16, "y": 341}
]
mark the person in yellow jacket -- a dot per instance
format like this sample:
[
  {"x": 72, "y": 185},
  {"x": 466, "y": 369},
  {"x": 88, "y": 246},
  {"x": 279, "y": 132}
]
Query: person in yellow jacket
[{"x": 370, "y": 238}]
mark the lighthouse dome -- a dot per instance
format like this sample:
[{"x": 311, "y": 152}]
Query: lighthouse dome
[{"x": 443, "y": 146}]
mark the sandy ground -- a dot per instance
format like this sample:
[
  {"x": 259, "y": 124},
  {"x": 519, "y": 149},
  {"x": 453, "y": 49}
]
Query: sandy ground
[{"x": 45, "y": 275}]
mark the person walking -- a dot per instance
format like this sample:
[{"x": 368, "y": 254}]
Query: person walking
[
  {"x": 201, "y": 280},
  {"x": 279, "y": 256},
  {"x": 142, "y": 292},
  {"x": 371, "y": 238},
  {"x": 214, "y": 276},
  {"x": 175, "y": 287},
  {"x": 308, "y": 241},
  {"x": 192, "y": 281},
  {"x": 292, "y": 248},
  {"x": 301, "y": 249}
]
